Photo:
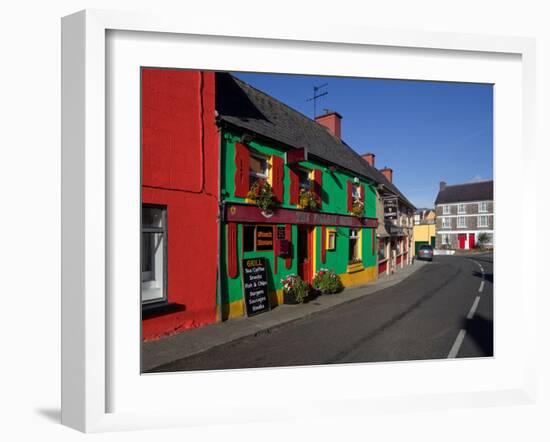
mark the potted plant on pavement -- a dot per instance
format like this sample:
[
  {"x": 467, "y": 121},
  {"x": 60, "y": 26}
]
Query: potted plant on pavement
[
  {"x": 327, "y": 282},
  {"x": 483, "y": 239},
  {"x": 295, "y": 289}
]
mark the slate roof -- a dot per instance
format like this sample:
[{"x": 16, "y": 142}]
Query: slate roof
[
  {"x": 456, "y": 193},
  {"x": 240, "y": 105}
]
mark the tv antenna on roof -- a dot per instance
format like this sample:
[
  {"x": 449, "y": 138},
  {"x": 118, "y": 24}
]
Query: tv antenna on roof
[{"x": 316, "y": 96}]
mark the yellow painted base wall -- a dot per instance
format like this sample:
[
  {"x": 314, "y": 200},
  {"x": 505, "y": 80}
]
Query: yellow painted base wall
[
  {"x": 236, "y": 309},
  {"x": 359, "y": 278}
]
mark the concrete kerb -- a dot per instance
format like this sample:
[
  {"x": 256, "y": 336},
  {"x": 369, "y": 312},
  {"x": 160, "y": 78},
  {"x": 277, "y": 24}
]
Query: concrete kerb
[{"x": 195, "y": 341}]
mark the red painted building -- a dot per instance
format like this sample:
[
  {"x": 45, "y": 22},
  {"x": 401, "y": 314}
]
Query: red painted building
[{"x": 180, "y": 182}]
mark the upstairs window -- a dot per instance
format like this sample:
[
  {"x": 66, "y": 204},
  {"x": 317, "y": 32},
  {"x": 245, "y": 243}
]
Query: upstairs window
[
  {"x": 461, "y": 221},
  {"x": 356, "y": 191},
  {"x": 462, "y": 208},
  {"x": 482, "y": 221},
  {"x": 259, "y": 168},
  {"x": 446, "y": 223},
  {"x": 482, "y": 207},
  {"x": 446, "y": 210},
  {"x": 304, "y": 181}
]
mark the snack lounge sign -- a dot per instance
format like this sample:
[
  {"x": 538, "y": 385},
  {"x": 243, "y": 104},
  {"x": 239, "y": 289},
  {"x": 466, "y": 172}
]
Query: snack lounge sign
[{"x": 251, "y": 214}]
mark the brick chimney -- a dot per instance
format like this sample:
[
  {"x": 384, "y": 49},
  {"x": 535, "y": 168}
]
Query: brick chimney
[
  {"x": 369, "y": 158},
  {"x": 442, "y": 185},
  {"x": 388, "y": 173},
  {"x": 332, "y": 121}
]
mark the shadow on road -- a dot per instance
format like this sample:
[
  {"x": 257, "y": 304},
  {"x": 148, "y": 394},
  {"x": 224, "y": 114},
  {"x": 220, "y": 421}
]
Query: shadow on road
[
  {"x": 486, "y": 276},
  {"x": 480, "y": 329}
]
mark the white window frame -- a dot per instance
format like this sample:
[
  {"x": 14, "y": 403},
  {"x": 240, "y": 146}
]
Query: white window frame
[
  {"x": 356, "y": 235},
  {"x": 461, "y": 222},
  {"x": 445, "y": 222},
  {"x": 461, "y": 208},
  {"x": 483, "y": 207},
  {"x": 480, "y": 217},
  {"x": 446, "y": 209}
]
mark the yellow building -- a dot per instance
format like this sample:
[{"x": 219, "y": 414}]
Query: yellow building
[{"x": 424, "y": 228}]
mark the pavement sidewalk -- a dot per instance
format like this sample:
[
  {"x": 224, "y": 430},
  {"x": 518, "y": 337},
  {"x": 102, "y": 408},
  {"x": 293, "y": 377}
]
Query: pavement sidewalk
[{"x": 194, "y": 341}]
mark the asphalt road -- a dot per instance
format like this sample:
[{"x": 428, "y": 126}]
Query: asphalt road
[{"x": 443, "y": 310}]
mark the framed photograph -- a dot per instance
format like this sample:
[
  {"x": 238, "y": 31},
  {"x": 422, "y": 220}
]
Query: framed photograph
[{"x": 144, "y": 219}]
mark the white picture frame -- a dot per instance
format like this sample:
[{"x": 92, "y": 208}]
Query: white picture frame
[{"x": 92, "y": 320}]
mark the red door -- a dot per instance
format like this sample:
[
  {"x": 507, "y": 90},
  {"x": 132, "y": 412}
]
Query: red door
[
  {"x": 472, "y": 240},
  {"x": 305, "y": 247},
  {"x": 461, "y": 240}
]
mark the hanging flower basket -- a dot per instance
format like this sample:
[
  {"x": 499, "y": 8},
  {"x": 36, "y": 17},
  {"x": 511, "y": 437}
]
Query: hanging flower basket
[
  {"x": 262, "y": 195},
  {"x": 357, "y": 208},
  {"x": 309, "y": 200}
]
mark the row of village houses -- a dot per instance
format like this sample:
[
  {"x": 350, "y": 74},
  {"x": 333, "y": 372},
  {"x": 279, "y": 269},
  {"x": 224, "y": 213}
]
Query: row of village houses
[{"x": 208, "y": 140}]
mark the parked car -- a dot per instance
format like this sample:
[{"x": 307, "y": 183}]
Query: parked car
[{"x": 426, "y": 252}]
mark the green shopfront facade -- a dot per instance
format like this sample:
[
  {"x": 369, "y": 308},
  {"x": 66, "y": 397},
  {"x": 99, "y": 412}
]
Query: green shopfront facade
[{"x": 291, "y": 239}]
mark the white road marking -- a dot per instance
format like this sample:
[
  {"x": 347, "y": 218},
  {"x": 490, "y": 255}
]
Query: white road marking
[
  {"x": 482, "y": 276},
  {"x": 462, "y": 333},
  {"x": 474, "y": 307},
  {"x": 457, "y": 344}
]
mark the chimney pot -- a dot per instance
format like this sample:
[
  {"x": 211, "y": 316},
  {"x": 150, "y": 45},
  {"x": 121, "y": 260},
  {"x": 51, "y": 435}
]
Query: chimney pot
[
  {"x": 388, "y": 173},
  {"x": 369, "y": 158},
  {"x": 442, "y": 185},
  {"x": 332, "y": 121}
]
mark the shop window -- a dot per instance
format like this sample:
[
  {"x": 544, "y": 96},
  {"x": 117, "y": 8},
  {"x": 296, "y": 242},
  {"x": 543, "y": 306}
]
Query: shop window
[
  {"x": 248, "y": 238},
  {"x": 354, "y": 246},
  {"x": 153, "y": 254},
  {"x": 381, "y": 250},
  {"x": 259, "y": 168}
]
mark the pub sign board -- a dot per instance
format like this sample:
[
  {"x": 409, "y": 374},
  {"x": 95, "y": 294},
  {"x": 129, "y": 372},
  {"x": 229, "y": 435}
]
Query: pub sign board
[
  {"x": 390, "y": 208},
  {"x": 264, "y": 238},
  {"x": 256, "y": 297}
]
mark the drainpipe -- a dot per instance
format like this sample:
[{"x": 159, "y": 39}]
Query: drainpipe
[{"x": 220, "y": 227}]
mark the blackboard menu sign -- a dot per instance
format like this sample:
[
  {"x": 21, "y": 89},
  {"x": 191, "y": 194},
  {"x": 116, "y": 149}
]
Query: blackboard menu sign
[{"x": 255, "y": 286}]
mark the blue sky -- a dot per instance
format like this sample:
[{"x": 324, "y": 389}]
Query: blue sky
[{"x": 425, "y": 131}]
